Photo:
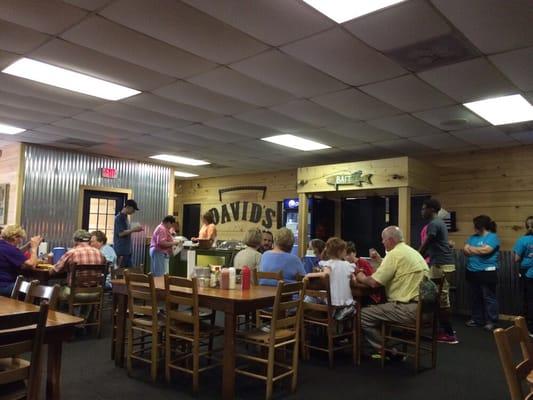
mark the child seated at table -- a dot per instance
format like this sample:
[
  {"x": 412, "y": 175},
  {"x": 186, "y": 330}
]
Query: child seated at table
[
  {"x": 364, "y": 266},
  {"x": 340, "y": 273}
]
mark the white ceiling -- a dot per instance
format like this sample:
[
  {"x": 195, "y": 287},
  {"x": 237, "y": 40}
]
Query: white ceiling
[{"x": 217, "y": 76}]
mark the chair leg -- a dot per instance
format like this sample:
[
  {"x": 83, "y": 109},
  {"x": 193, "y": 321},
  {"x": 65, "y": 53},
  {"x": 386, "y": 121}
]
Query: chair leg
[
  {"x": 130, "y": 349},
  {"x": 195, "y": 366},
  {"x": 355, "y": 355},
  {"x": 168, "y": 345},
  {"x": 154, "y": 355},
  {"x": 294, "y": 380},
  {"x": 99, "y": 320},
  {"x": 330, "y": 346},
  {"x": 270, "y": 372},
  {"x": 383, "y": 343},
  {"x": 417, "y": 351},
  {"x": 303, "y": 342}
]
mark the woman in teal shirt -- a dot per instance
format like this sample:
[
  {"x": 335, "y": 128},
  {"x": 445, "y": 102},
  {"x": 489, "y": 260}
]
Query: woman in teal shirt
[
  {"x": 523, "y": 254},
  {"x": 483, "y": 250}
]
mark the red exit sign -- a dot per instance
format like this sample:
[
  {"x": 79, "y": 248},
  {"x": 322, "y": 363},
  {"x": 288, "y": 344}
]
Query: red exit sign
[{"x": 110, "y": 173}]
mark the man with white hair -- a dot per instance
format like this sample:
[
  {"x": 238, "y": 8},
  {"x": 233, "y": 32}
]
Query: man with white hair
[{"x": 400, "y": 272}]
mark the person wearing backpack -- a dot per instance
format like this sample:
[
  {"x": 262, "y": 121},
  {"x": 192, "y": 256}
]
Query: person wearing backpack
[{"x": 401, "y": 272}]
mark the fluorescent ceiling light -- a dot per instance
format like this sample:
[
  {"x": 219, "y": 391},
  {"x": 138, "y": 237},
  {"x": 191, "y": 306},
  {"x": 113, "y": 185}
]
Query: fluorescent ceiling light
[
  {"x": 184, "y": 174},
  {"x": 296, "y": 142},
  {"x": 503, "y": 110},
  {"x": 344, "y": 10},
  {"x": 179, "y": 159},
  {"x": 66, "y": 79},
  {"x": 10, "y": 130}
]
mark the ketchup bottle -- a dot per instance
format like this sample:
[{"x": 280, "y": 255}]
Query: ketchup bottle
[{"x": 245, "y": 277}]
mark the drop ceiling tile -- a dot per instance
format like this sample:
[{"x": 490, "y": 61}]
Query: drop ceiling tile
[
  {"x": 25, "y": 87},
  {"x": 517, "y": 66},
  {"x": 185, "y": 27},
  {"x": 167, "y": 107},
  {"x": 8, "y": 119},
  {"x": 469, "y": 80},
  {"x": 7, "y": 58},
  {"x": 355, "y": 104},
  {"x": 210, "y": 133},
  {"x": 88, "y": 4},
  {"x": 234, "y": 84},
  {"x": 284, "y": 72},
  {"x": 344, "y": 57},
  {"x": 184, "y": 140},
  {"x": 36, "y": 104},
  {"x": 37, "y": 137},
  {"x": 451, "y": 118},
  {"x": 492, "y": 25},
  {"x": 442, "y": 142},
  {"x": 406, "y": 23},
  {"x": 363, "y": 132},
  {"x": 136, "y": 48},
  {"x": 485, "y": 137},
  {"x": 188, "y": 93},
  {"x": 241, "y": 127},
  {"x": 371, "y": 152},
  {"x": 523, "y": 137},
  {"x": 293, "y": 19},
  {"x": 94, "y": 128},
  {"x": 327, "y": 137},
  {"x": 404, "y": 146},
  {"x": 62, "y": 133},
  {"x": 267, "y": 150},
  {"x": 311, "y": 113},
  {"x": 404, "y": 126},
  {"x": 18, "y": 39},
  {"x": 129, "y": 112},
  {"x": 27, "y": 115},
  {"x": 114, "y": 122},
  {"x": 50, "y": 17},
  {"x": 90, "y": 62},
  {"x": 408, "y": 93},
  {"x": 274, "y": 120}
]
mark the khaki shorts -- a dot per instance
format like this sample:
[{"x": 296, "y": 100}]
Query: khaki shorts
[{"x": 447, "y": 273}]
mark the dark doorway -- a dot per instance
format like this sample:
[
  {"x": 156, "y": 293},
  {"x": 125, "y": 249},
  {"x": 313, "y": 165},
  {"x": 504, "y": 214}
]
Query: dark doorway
[
  {"x": 322, "y": 219},
  {"x": 99, "y": 210},
  {"x": 191, "y": 220}
]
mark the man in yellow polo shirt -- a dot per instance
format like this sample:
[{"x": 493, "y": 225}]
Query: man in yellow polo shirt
[{"x": 400, "y": 272}]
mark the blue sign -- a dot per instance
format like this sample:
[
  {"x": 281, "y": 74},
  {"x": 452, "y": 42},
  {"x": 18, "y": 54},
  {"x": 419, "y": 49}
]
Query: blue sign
[{"x": 289, "y": 204}]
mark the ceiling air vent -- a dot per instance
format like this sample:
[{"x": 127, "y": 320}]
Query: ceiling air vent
[{"x": 433, "y": 53}]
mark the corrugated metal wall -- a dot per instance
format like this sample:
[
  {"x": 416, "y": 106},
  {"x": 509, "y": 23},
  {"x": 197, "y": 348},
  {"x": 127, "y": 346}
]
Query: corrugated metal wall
[{"x": 52, "y": 186}]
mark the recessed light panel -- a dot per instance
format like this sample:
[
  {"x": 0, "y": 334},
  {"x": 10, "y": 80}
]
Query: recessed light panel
[
  {"x": 182, "y": 174},
  {"x": 66, "y": 79},
  {"x": 10, "y": 130},
  {"x": 296, "y": 142},
  {"x": 503, "y": 110},
  {"x": 179, "y": 160},
  {"x": 344, "y": 10}
]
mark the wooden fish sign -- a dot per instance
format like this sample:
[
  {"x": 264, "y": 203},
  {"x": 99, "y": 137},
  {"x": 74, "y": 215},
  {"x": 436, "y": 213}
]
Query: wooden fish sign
[{"x": 354, "y": 179}]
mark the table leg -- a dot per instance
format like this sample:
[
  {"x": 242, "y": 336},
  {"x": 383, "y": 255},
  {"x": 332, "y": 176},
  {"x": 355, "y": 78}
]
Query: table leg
[
  {"x": 228, "y": 369},
  {"x": 53, "y": 371},
  {"x": 121, "y": 329}
]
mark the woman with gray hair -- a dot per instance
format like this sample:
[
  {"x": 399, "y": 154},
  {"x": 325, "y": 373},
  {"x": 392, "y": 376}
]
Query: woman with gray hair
[{"x": 249, "y": 256}]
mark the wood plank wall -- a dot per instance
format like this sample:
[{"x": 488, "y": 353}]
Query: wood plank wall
[
  {"x": 498, "y": 183},
  {"x": 10, "y": 170},
  {"x": 280, "y": 185}
]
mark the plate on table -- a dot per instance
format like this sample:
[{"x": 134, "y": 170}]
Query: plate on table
[{"x": 44, "y": 266}]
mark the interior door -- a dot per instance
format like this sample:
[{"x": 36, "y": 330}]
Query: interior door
[
  {"x": 191, "y": 220},
  {"x": 322, "y": 219},
  {"x": 99, "y": 210}
]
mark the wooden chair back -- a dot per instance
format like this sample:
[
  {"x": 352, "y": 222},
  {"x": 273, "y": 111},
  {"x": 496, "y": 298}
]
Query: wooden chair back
[
  {"x": 22, "y": 287},
  {"x": 142, "y": 299},
  {"x": 182, "y": 305},
  {"x": 508, "y": 341},
  {"x": 427, "y": 312},
  {"x": 38, "y": 293},
  {"x": 287, "y": 311},
  {"x": 257, "y": 275},
  {"x": 118, "y": 273},
  {"x": 11, "y": 347},
  {"x": 319, "y": 289}
]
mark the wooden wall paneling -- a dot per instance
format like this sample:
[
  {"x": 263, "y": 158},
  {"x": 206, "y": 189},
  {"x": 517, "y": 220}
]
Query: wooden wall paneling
[{"x": 11, "y": 172}]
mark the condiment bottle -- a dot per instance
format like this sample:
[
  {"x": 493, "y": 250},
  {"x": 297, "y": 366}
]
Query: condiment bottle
[
  {"x": 232, "y": 277},
  {"x": 224, "y": 279},
  {"x": 245, "y": 278},
  {"x": 213, "y": 280}
]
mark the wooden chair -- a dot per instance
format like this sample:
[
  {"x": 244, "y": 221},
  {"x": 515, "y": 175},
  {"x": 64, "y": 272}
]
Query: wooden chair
[
  {"x": 321, "y": 315},
  {"x": 87, "y": 290},
  {"x": 264, "y": 314},
  {"x": 38, "y": 293},
  {"x": 186, "y": 333},
  {"x": 518, "y": 375},
  {"x": 284, "y": 332},
  {"x": 22, "y": 287},
  {"x": 144, "y": 322},
  {"x": 20, "y": 378},
  {"x": 414, "y": 335}
]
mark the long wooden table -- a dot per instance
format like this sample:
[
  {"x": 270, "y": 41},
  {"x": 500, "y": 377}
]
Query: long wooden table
[
  {"x": 230, "y": 302},
  {"x": 59, "y": 327}
]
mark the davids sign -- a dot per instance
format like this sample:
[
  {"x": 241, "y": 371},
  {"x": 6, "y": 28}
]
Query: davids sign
[{"x": 244, "y": 211}]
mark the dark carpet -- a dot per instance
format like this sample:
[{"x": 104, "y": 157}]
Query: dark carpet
[{"x": 468, "y": 370}]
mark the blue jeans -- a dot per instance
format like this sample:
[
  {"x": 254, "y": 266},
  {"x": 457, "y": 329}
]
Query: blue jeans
[
  {"x": 484, "y": 302},
  {"x": 124, "y": 260},
  {"x": 6, "y": 290},
  {"x": 158, "y": 262}
]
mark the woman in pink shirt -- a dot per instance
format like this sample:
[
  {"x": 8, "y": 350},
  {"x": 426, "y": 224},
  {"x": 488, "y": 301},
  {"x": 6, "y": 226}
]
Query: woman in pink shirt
[{"x": 161, "y": 246}]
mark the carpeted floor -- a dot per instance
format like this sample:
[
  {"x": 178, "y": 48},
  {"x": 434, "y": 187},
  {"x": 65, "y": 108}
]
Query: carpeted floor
[{"x": 469, "y": 370}]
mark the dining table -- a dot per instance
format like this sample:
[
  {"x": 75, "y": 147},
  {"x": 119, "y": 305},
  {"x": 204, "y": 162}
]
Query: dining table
[
  {"x": 231, "y": 302},
  {"x": 59, "y": 328}
]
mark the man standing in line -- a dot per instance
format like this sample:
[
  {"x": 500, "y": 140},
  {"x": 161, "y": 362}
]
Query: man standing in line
[
  {"x": 442, "y": 265},
  {"x": 122, "y": 233}
]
